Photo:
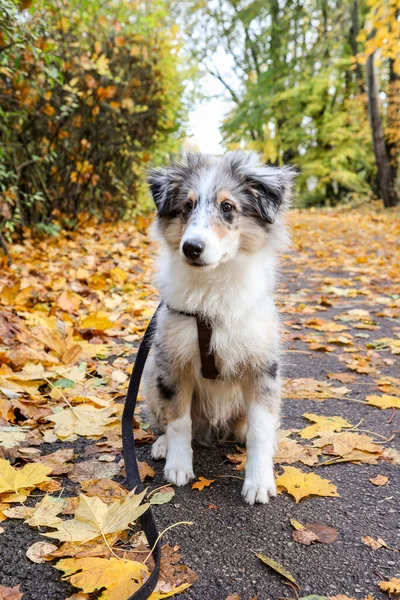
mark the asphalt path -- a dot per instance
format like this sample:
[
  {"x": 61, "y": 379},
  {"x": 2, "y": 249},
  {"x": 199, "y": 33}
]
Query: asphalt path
[{"x": 220, "y": 544}]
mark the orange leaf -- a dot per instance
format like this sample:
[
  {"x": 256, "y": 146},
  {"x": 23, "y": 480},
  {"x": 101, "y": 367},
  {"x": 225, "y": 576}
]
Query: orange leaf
[{"x": 202, "y": 483}]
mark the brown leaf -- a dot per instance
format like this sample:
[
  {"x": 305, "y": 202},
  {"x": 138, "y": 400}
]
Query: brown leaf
[
  {"x": 324, "y": 533},
  {"x": 145, "y": 470},
  {"x": 342, "y": 377},
  {"x": 10, "y": 593},
  {"x": 91, "y": 469},
  {"x": 304, "y": 536},
  {"x": 375, "y": 544},
  {"x": 107, "y": 490},
  {"x": 379, "y": 480},
  {"x": 39, "y": 551},
  {"x": 57, "y": 460}
]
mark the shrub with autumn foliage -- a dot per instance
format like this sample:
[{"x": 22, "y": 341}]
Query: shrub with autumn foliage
[{"x": 90, "y": 93}]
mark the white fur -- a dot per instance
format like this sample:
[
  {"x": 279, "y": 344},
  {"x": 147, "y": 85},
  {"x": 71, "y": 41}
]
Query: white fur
[
  {"x": 259, "y": 482},
  {"x": 179, "y": 465}
]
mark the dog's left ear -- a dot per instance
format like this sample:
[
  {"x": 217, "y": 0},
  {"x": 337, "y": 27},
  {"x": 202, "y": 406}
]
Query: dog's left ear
[{"x": 269, "y": 190}]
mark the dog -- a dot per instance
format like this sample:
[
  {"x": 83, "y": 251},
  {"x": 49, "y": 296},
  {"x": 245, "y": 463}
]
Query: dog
[{"x": 221, "y": 224}]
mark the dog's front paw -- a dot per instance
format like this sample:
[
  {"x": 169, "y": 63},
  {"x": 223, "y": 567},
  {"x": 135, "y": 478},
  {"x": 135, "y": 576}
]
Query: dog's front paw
[
  {"x": 179, "y": 475},
  {"x": 159, "y": 448},
  {"x": 259, "y": 490}
]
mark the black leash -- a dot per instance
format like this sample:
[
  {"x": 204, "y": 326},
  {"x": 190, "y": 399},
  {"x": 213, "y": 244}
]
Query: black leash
[
  {"x": 147, "y": 520},
  {"x": 209, "y": 371}
]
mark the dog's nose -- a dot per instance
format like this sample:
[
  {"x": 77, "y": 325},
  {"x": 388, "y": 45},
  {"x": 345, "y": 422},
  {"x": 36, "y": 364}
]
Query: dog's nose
[{"x": 193, "y": 248}]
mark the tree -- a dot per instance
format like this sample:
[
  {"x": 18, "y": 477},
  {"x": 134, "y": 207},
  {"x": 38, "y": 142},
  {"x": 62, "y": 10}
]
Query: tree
[
  {"x": 296, "y": 92},
  {"x": 91, "y": 91},
  {"x": 382, "y": 34}
]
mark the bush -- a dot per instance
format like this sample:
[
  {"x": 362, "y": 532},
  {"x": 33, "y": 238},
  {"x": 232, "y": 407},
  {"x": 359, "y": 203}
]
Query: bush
[{"x": 90, "y": 92}]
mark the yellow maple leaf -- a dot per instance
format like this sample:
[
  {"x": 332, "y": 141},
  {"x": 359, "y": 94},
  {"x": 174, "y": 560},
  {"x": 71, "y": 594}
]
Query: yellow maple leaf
[
  {"x": 85, "y": 420},
  {"x": 299, "y": 484},
  {"x": 392, "y": 586},
  {"x": 19, "y": 482},
  {"x": 384, "y": 401},
  {"x": 99, "y": 321},
  {"x": 94, "y": 518},
  {"x": 322, "y": 424},
  {"x": 202, "y": 483},
  {"x": 120, "y": 578},
  {"x": 46, "y": 511}
]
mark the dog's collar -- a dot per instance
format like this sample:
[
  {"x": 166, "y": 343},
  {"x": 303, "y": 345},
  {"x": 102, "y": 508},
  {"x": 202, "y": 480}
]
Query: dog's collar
[{"x": 204, "y": 333}]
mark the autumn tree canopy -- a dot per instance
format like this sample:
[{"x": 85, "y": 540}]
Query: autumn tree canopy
[
  {"x": 300, "y": 91},
  {"x": 90, "y": 93}
]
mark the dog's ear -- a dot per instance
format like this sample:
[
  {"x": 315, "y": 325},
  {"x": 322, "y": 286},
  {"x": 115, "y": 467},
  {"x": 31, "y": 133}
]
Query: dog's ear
[
  {"x": 164, "y": 185},
  {"x": 269, "y": 190}
]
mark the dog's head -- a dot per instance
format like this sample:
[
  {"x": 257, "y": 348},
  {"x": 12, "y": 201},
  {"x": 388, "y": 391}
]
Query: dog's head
[{"x": 210, "y": 209}]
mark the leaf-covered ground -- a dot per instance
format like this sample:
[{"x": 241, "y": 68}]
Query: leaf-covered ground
[{"x": 72, "y": 311}]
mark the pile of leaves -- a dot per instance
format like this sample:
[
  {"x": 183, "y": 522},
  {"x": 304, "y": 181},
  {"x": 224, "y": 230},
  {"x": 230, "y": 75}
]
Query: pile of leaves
[{"x": 66, "y": 307}]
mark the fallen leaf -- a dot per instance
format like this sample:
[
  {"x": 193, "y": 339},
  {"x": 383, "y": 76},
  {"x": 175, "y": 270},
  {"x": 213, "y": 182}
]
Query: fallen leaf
[
  {"x": 45, "y": 512},
  {"x": 10, "y": 593},
  {"x": 290, "y": 451},
  {"x": 300, "y": 485},
  {"x": 57, "y": 460},
  {"x": 305, "y": 537},
  {"x": 202, "y": 483},
  {"x": 105, "y": 489},
  {"x": 342, "y": 377},
  {"x": 379, "y": 480},
  {"x": 120, "y": 578},
  {"x": 11, "y": 436},
  {"x": 94, "y": 518},
  {"x": 85, "y": 420},
  {"x": 384, "y": 401},
  {"x": 98, "y": 321},
  {"x": 21, "y": 481},
  {"x": 276, "y": 567},
  {"x": 322, "y": 424},
  {"x": 3, "y": 507},
  {"x": 297, "y": 525},
  {"x": 38, "y": 550},
  {"x": 324, "y": 533},
  {"x": 162, "y": 497},
  {"x": 145, "y": 470},
  {"x": 392, "y": 586},
  {"x": 375, "y": 544},
  {"x": 240, "y": 458},
  {"x": 177, "y": 590},
  {"x": 89, "y": 469}
]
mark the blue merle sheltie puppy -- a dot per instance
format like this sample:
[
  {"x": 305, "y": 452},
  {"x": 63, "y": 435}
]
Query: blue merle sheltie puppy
[{"x": 221, "y": 224}]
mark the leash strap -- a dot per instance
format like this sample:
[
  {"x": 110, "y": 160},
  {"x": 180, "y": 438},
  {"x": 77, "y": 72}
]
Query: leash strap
[{"x": 147, "y": 520}]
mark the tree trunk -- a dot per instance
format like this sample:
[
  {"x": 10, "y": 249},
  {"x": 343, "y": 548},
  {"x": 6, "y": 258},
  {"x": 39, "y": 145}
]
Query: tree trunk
[{"x": 386, "y": 180}]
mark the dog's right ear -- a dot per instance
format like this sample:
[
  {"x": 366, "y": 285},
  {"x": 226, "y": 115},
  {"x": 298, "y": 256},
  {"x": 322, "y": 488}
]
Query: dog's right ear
[{"x": 164, "y": 185}]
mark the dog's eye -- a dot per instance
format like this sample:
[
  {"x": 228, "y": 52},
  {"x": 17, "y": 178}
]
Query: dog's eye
[
  {"x": 188, "y": 207},
  {"x": 226, "y": 207}
]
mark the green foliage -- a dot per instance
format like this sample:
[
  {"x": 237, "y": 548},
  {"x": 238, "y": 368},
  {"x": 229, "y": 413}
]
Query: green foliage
[
  {"x": 90, "y": 93},
  {"x": 297, "y": 93}
]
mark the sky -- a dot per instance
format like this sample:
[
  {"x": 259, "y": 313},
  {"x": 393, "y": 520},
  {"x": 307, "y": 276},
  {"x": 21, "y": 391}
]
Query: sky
[{"x": 206, "y": 118}]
